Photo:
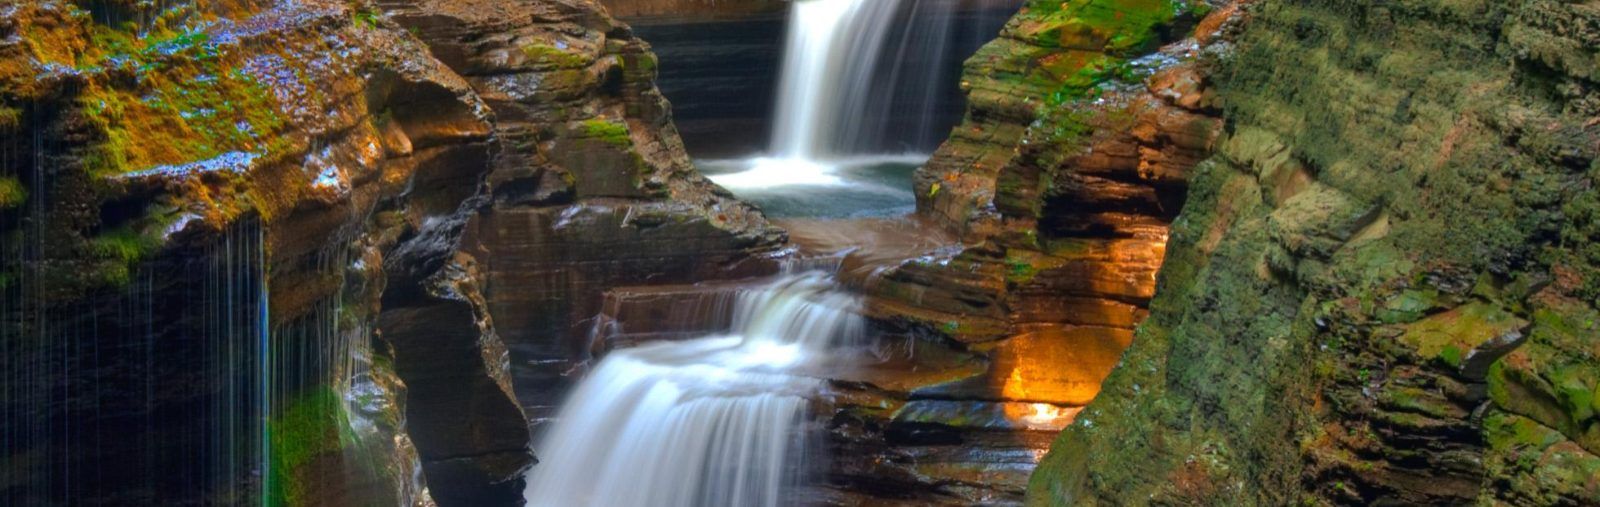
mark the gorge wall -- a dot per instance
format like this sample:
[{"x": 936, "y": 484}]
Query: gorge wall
[
  {"x": 276, "y": 241},
  {"x": 328, "y": 252},
  {"x": 1381, "y": 288}
]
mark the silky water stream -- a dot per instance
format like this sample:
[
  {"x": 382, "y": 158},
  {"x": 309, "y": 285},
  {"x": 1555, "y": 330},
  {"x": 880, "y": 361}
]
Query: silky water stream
[
  {"x": 721, "y": 420},
  {"x": 703, "y": 422}
]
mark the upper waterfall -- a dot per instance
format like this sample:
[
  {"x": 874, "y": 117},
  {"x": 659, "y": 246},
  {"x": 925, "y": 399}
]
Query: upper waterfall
[
  {"x": 863, "y": 97},
  {"x": 829, "y": 60}
]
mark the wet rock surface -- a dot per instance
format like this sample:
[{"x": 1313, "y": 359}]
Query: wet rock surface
[
  {"x": 592, "y": 188},
  {"x": 239, "y": 170},
  {"x": 355, "y": 209}
]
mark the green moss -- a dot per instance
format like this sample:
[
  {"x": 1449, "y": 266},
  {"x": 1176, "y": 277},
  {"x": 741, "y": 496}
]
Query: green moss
[
  {"x": 611, "y": 132},
  {"x": 1408, "y": 306},
  {"x": 1091, "y": 41},
  {"x": 1447, "y": 335},
  {"x": 1531, "y": 463},
  {"x": 304, "y": 430},
  {"x": 547, "y": 54},
  {"x": 1019, "y": 270},
  {"x": 189, "y": 91},
  {"x": 368, "y": 18},
  {"x": 12, "y": 195},
  {"x": 639, "y": 64},
  {"x": 117, "y": 251},
  {"x": 124, "y": 244}
]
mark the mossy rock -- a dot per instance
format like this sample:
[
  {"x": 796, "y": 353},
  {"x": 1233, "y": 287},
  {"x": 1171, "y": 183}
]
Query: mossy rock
[
  {"x": 1555, "y": 377},
  {"x": 611, "y": 132},
  {"x": 1466, "y": 332},
  {"x": 1537, "y": 465},
  {"x": 543, "y": 53},
  {"x": 12, "y": 195},
  {"x": 307, "y": 429}
]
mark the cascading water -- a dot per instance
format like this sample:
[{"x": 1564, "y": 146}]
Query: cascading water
[
  {"x": 831, "y": 55},
  {"x": 706, "y": 422},
  {"x": 867, "y": 89}
]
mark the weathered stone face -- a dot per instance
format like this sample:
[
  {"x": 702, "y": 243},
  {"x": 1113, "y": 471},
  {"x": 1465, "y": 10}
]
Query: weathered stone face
[
  {"x": 331, "y": 162},
  {"x": 1062, "y": 204},
  {"x": 591, "y": 186},
  {"x": 1370, "y": 294}
]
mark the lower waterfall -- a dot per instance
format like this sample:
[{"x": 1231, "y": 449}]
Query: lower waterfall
[{"x": 715, "y": 421}]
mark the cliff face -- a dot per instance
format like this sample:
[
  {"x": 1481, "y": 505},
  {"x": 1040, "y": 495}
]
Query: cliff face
[
  {"x": 1084, "y": 119},
  {"x": 1383, "y": 286},
  {"x": 592, "y": 187},
  {"x": 1083, "y": 122},
  {"x": 211, "y": 192},
  {"x": 220, "y": 213}
]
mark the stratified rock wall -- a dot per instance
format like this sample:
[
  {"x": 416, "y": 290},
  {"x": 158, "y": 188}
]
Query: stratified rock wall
[
  {"x": 592, "y": 186},
  {"x": 1084, "y": 120},
  {"x": 1382, "y": 290},
  {"x": 243, "y": 239},
  {"x": 210, "y": 188}
]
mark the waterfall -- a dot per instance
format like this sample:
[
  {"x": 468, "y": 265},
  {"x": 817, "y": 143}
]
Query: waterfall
[
  {"x": 714, "y": 421},
  {"x": 829, "y": 59},
  {"x": 865, "y": 83}
]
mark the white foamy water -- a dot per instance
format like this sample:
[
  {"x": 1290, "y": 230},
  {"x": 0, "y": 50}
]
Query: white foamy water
[
  {"x": 707, "y": 422},
  {"x": 830, "y": 54},
  {"x": 829, "y": 57},
  {"x": 860, "y": 78}
]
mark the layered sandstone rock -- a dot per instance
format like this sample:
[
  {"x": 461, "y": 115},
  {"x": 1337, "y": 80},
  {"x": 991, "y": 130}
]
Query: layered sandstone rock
[
  {"x": 239, "y": 170},
  {"x": 592, "y": 188},
  {"x": 1382, "y": 288},
  {"x": 1084, "y": 120},
  {"x": 255, "y": 210}
]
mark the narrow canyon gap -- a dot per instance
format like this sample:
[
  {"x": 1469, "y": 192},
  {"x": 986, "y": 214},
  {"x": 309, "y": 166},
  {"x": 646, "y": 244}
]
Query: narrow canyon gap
[{"x": 805, "y": 252}]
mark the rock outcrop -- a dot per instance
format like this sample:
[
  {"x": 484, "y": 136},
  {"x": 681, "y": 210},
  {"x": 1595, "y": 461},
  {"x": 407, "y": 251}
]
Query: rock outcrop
[
  {"x": 211, "y": 189},
  {"x": 281, "y": 238},
  {"x": 1084, "y": 119},
  {"x": 1382, "y": 288},
  {"x": 592, "y": 186}
]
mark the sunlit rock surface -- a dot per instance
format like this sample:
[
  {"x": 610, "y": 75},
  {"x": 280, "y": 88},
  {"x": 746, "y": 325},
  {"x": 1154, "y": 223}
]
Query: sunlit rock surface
[{"x": 1041, "y": 224}]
